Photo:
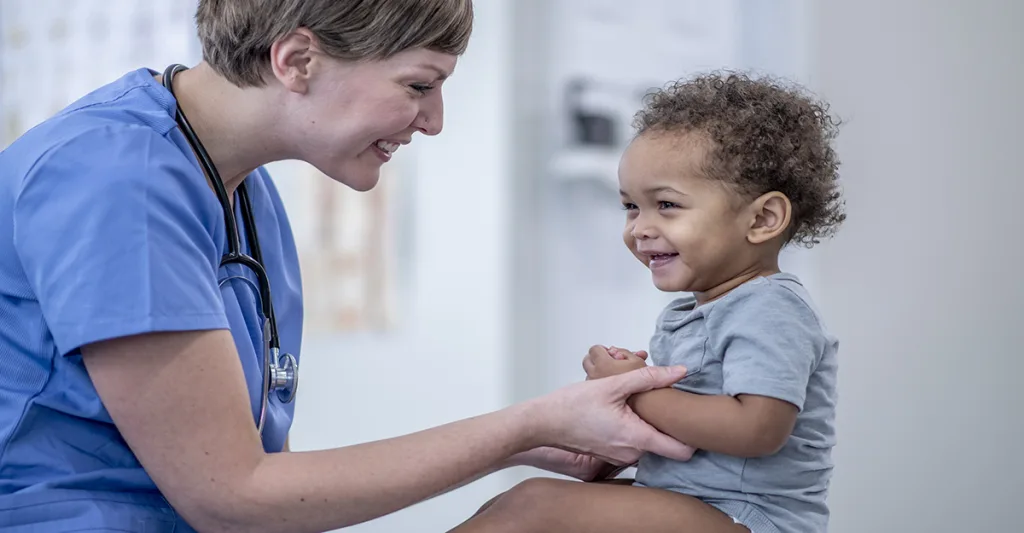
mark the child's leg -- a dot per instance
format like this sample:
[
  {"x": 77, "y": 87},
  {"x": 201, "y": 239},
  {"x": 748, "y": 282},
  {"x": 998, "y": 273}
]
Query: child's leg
[
  {"x": 542, "y": 505},
  {"x": 614, "y": 481}
]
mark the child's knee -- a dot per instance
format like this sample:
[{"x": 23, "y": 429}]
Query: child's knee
[
  {"x": 530, "y": 500},
  {"x": 535, "y": 489}
]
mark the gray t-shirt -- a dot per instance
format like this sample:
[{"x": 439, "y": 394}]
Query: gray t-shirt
[{"x": 764, "y": 338}]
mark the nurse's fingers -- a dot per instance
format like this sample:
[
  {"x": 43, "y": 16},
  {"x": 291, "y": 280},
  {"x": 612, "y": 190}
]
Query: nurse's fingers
[
  {"x": 647, "y": 378},
  {"x": 643, "y": 435},
  {"x": 654, "y": 441}
]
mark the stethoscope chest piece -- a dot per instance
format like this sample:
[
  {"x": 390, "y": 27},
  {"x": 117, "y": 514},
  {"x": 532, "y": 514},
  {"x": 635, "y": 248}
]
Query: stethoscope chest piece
[{"x": 285, "y": 378}]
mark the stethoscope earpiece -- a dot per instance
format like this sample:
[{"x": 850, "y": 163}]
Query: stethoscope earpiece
[{"x": 280, "y": 373}]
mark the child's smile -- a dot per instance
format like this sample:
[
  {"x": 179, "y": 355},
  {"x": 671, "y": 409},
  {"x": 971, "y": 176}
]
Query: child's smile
[{"x": 659, "y": 260}]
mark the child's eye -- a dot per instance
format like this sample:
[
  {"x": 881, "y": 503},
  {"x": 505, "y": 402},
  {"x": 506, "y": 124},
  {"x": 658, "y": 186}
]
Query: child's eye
[
  {"x": 667, "y": 205},
  {"x": 626, "y": 206}
]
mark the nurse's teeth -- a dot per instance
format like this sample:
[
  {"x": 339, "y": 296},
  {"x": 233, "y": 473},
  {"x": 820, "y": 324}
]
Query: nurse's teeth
[{"x": 387, "y": 147}]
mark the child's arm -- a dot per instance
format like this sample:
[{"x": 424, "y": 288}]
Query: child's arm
[
  {"x": 771, "y": 343},
  {"x": 743, "y": 426}
]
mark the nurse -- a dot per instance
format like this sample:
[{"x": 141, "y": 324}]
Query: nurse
[{"x": 132, "y": 362}]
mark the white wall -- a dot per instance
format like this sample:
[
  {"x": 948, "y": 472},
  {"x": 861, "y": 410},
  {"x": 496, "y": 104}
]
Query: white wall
[
  {"x": 923, "y": 284},
  {"x": 449, "y": 359}
]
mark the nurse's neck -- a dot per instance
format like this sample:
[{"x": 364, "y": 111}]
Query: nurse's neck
[{"x": 232, "y": 123}]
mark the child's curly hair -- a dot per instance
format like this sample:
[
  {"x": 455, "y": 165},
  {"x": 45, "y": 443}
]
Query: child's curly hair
[{"x": 765, "y": 136}]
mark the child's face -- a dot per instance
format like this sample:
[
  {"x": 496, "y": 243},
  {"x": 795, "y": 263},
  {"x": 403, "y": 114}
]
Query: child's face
[{"x": 689, "y": 230}]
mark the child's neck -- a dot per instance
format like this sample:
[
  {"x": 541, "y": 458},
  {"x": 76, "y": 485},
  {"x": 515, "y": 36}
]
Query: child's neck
[{"x": 765, "y": 269}]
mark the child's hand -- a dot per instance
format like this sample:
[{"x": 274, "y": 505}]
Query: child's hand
[
  {"x": 622, "y": 354},
  {"x": 602, "y": 362}
]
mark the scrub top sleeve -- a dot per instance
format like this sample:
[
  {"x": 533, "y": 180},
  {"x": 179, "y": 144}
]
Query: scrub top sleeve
[{"x": 114, "y": 230}]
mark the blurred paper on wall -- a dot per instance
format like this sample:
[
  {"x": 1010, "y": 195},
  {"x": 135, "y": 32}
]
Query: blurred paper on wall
[
  {"x": 347, "y": 248},
  {"x": 53, "y": 52}
]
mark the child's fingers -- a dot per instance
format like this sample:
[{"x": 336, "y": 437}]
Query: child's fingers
[
  {"x": 622, "y": 355},
  {"x": 588, "y": 366}
]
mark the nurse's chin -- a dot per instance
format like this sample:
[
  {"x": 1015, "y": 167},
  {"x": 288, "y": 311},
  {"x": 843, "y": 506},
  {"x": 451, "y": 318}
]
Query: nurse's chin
[
  {"x": 357, "y": 177},
  {"x": 361, "y": 184}
]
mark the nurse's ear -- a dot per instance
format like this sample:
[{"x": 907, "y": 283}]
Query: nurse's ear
[{"x": 293, "y": 58}]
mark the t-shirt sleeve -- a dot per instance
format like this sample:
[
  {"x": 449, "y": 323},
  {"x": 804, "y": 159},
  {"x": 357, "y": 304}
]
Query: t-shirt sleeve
[
  {"x": 114, "y": 233},
  {"x": 771, "y": 341}
]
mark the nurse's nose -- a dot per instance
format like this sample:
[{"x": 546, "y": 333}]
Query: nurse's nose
[{"x": 430, "y": 121}]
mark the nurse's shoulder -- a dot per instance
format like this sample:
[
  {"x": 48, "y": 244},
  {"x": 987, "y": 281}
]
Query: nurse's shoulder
[
  {"x": 126, "y": 122},
  {"x": 135, "y": 99},
  {"x": 117, "y": 143},
  {"x": 111, "y": 222}
]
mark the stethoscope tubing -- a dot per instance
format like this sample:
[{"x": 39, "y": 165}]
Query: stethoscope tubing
[{"x": 282, "y": 379}]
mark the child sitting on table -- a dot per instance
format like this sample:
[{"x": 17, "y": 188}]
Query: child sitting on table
[{"x": 724, "y": 172}]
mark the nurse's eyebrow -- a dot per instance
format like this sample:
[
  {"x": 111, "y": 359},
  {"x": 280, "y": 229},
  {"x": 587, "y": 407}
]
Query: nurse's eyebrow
[{"x": 441, "y": 74}]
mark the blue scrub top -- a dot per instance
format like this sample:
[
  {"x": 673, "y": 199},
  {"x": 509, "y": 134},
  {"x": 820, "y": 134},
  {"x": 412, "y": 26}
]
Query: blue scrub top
[{"x": 109, "y": 228}]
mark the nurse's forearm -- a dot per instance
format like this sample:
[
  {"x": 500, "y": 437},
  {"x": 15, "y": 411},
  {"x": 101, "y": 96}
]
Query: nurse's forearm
[
  {"x": 366, "y": 481},
  {"x": 201, "y": 448}
]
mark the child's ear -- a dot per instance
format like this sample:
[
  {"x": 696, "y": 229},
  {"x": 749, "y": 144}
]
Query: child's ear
[{"x": 772, "y": 213}]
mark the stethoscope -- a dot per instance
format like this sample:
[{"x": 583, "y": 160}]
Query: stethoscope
[{"x": 280, "y": 373}]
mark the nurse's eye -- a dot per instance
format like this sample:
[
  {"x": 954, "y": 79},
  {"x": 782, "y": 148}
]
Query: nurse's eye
[
  {"x": 626, "y": 206},
  {"x": 667, "y": 205},
  {"x": 421, "y": 88}
]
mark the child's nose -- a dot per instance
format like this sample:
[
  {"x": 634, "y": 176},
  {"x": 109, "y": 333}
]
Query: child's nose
[{"x": 642, "y": 231}]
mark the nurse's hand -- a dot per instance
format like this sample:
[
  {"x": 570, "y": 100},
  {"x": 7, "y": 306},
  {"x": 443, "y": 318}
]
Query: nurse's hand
[
  {"x": 571, "y": 464},
  {"x": 592, "y": 417}
]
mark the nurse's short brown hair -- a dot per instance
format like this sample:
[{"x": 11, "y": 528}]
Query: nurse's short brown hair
[{"x": 237, "y": 34}]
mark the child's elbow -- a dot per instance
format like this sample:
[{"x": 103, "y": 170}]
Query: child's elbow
[{"x": 764, "y": 443}]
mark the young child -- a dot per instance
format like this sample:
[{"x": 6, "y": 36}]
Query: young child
[{"x": 724, "y": 172}]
